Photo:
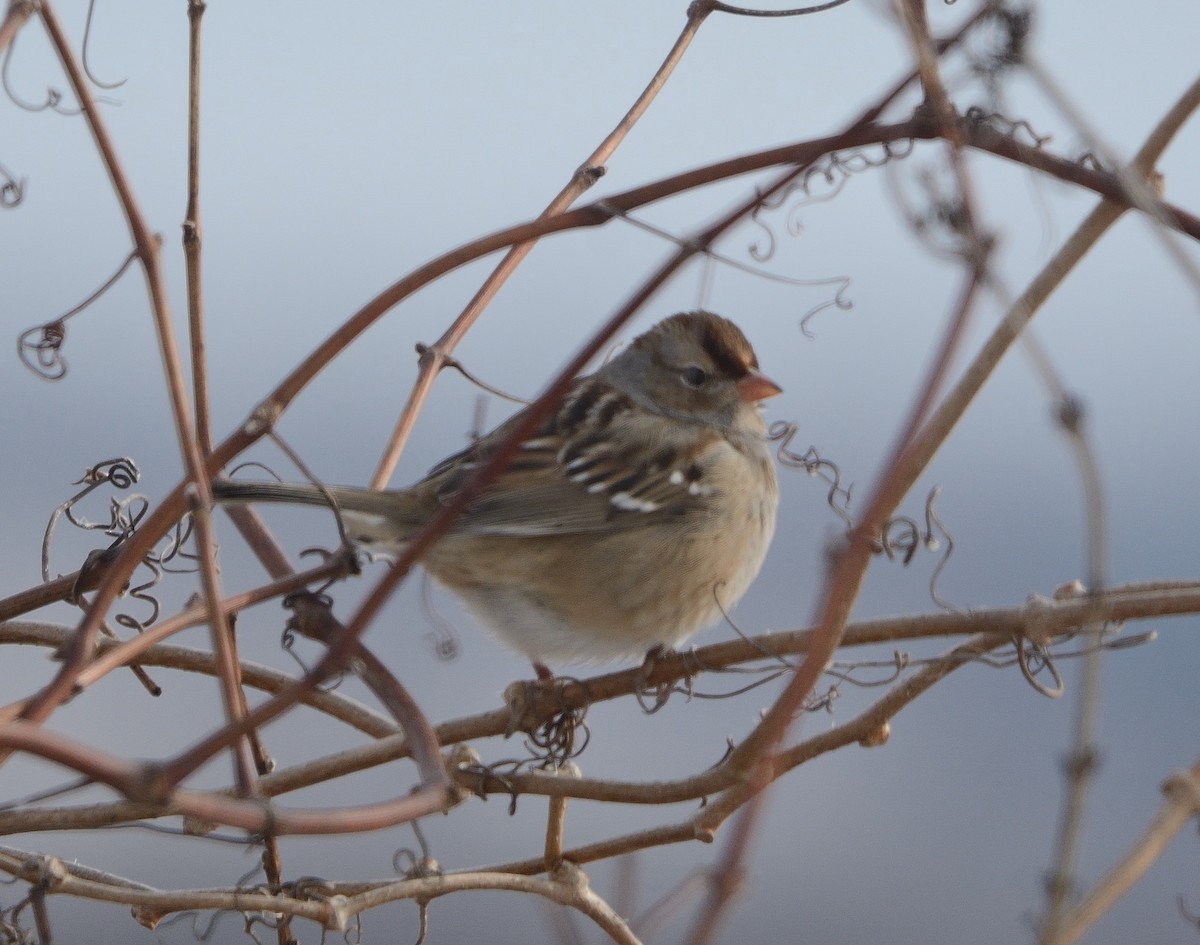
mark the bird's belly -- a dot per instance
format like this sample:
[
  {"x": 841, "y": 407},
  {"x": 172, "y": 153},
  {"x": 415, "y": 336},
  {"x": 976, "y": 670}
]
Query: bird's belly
[{"x": 615, "y": 596}]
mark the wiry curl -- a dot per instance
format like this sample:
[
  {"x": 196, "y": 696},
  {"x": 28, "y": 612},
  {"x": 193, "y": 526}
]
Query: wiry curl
[
  {"x": 1009, "y": 127},
  {"x": 124, "y": 517},
  {"x": 901, "y": 536},
  {"x": 12, "y": 189},
  {"x": 40, "y": 347}
]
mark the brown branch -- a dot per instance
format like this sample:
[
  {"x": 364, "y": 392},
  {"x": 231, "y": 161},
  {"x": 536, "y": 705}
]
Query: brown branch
[
  {"x": 65, "y": 588},
  {"x": 112, "y": 653},
  {"x": 172, "y": 505},
  {"x": 139, "y": 782},
  {"x": 849, "y": 563},
  {"x": 314, "y": 620},
  {"x": 703, "y": 825},
  {"x": 1180, "y": 806},
  {"x": 150, "y": 904},
  {"x": 435, "y": 357},
  {"x": 15, "y": 15},
  {"x": 567, "y": 887},
  {"x": 1040, "y": 620},
  {"x": 192, "y": 237},
  {"x": 149, "y": 255}
]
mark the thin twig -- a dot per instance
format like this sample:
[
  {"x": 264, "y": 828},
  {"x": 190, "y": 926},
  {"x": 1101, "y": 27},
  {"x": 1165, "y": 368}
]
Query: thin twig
[
  {"x": 434, "y": 358},
  {"x": 167, "y": 512},
  {"x": 1180, "y": 806},
  {"x": 149, "y": 254},
  {"x": 15, "y": 15},
  {"x": 192, "y": 235}
]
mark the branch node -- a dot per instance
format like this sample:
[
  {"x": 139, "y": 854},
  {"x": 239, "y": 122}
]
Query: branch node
[
  {"x": 338, "y": 916},
  {"x": 588, "y": 174},
  {"x": 877, "y": 736},
  {"x": 262, "y": 419},
  {"x": 44, "y": 871},
  {"x": 569, "y": 874},
  {"x": 701, "y": 829},
  {"x": 1183, "y": 788},
  {"x": 1038, "y": 620}
]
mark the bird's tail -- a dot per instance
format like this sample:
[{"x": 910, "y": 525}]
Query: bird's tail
[{"x": 373, "y": 515}]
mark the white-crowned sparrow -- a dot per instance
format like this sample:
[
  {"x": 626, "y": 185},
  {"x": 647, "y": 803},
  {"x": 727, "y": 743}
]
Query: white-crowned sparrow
[{"x": 637, "y": 511}]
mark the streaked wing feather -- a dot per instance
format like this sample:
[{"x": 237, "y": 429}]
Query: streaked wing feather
[{"x": 557, "y": 485}]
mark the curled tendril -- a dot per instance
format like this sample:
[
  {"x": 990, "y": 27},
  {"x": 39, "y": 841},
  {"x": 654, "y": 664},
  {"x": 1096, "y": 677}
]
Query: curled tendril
[
  {"x": 40, "y": 347},
  {"x": 783, "y": 432},
  {"x": 1190, "y": 916},
  {"x": 419, "y": 866},
  {"x": 901, "y": 536},
  {"x": 842, "y": 672},
  {"x": 1010, "y": 127},
  {"x": 250, "y": 920},
  {"x": 482, "y": 771},
  {"x": 833, "y": 171},
  {"x": 933, "y": 543},
  {"x": 555, "y": 741},
  {"x": 203, "y": 927},
  {"x": 124, "y": 517},
  {"x": 121, "y": 473},
  {"x": 287, "y": 640},
  {"x": 354, "y": 934},
  {"x": 174, "y": 547},
  {"x": 87, "y": 68},
  {"x": 42, "y": 354},
  {"x": 839, "y": 301},
  {"x": 795, "y": 225},
  {"x": 757, "y": 253},
  {"x": 11, "y": 929},
  {"x": 710, "y": 254},
  {"x": 822, "y": 701},
  {"x": 53, "y": 96},
  {"x": 141, "y": 593},
  {"x": 848, "y": 672},
  {"x": 1033, "y": 659},
  {"x": 12, "y": 190},
  {"x": 442, "y": 637}
]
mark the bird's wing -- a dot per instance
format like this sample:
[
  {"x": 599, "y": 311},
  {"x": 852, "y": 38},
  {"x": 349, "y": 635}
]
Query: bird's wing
[{"x": 600, "y": 463}]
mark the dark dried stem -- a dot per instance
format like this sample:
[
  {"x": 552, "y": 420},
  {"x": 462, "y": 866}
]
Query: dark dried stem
[{"x": 719, "y": 7}]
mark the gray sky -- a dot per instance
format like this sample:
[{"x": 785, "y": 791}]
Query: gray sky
[{"x": 340, "y": 151}]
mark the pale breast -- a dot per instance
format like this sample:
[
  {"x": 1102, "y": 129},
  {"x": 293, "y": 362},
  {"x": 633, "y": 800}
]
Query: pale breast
[{"x": 614, "y": 595}]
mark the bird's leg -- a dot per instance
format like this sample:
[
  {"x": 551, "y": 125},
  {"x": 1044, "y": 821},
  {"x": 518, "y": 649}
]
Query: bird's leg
[
  {"x": 644, "y": 688},
  {"x": 653, "y": 655},
  {"x": 543, "y": 671}
]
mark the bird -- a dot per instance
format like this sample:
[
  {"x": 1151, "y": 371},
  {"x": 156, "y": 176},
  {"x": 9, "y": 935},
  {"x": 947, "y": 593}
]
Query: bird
[{"x": 635, "y": 515}]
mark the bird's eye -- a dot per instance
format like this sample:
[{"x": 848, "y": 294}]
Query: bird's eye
[{"x": 694, "y": 376}]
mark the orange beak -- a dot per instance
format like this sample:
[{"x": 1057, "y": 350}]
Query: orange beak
[{"x": 755, "y": 387}]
